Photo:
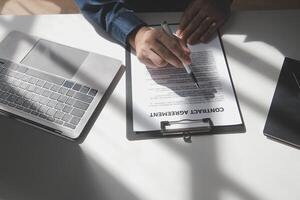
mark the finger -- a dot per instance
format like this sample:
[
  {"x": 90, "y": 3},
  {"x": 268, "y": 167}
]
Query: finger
[
  {"x": 193, "y": 25},
  {"x": 196, "y": 35},
  {"x": 142, "y": 56},
  {"x": 166, "y": 54},
  {"x": 186, "y": 17},
  {"x": 184, "y": 45},
  {"x": 156, "y": 59},
  {"x": 176, "y": 48},
  {"x": 148, "y": 63},
  {"x": 210, "y": 31}
]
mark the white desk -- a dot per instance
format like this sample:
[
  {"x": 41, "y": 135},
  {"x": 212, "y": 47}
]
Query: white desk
[{"x": 107, "y": 166}]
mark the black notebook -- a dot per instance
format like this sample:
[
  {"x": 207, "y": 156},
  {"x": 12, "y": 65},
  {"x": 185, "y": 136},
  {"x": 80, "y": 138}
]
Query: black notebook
[{"x": 283, "y": 121}]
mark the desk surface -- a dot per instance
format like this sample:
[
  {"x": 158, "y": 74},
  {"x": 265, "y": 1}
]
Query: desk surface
[{"x": 108, "y": 166}]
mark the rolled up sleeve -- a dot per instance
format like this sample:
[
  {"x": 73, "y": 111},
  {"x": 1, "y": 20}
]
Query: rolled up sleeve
[{"x": 112, "y": 16}]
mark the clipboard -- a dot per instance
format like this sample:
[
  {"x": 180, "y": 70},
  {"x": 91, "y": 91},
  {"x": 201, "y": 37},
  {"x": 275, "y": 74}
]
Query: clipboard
[{"x": 185, "y": 128}]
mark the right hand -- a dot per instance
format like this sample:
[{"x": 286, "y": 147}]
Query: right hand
[
  {"x": 155, "y": 48},
  {"x": 201, "y": 19}
]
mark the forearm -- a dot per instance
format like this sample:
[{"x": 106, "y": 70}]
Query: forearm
[{"x": 112, "y": 16}]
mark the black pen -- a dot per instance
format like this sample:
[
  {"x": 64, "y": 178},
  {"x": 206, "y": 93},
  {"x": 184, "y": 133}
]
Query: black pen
[{"x": 188, "y": 68}]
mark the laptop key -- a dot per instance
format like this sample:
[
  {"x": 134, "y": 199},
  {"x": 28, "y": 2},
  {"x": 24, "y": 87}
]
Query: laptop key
[
  {"x": 40, "y": 83},
  {"x": 27, "y": 110},
  {"x": 12, "y": 98},
  {"x": 11, "y": 104},
  {"x": 67, "y": 109},
  {"x": 25, "y": 78},
  {"x": 54, "y": 96},
  {"x": 51, "y": 119},
  {"x": 4, "y": 95},
  {"x": 55, "y": 88},
  {"x": 58, "y": 114},
  {"x": 33, "y": 107},
  {"x": 4, "y": 102},
  {"x": 77, "y": 87},
  {"x": 81, "y": 105},
  {"x": 26, "y": 104},
  {"x": 46, "y": 93},
  {"x": 70, "y": 101},
  {"x": 19, "y": 101},
  {"x": 51, "y": 112},
  {"x": 75, "y": 121},
  {"x": 70, "y": 93},
  {"x": 39, "y": 90},
  {"x": 67, "y": 117},
  {"x": 69, "y": 125},
  {"x": 31, "y": 88},
  {"x": 84, "y": 89},
  {"x": 33, "y": 80},
  {"x": 28, "y": 95},
  {"x": 62, "y": 98},
  {"x": 19, "y": 107},
  {"x": 34, "y": 113},
  {"x": 59, "y": 106},
  {"x": 77, "y": 112},
  {"x": 6, "y": 88},
  {"x": 43, "y": 116},
  {"x": 93, "y": 92},
  {"x": 59, "y": 122},
  {"x": 47, "y": 85},
  {"x": 43, "y": 100},
  {"x": 83, "y": 97},
  {"x": 35, "y": 98},
  {"x": 63, "y": 90},
  {"x": 51, "y": 103},
  {"x": 43, "y": 109},
  {"x": 68, "y": 84}
]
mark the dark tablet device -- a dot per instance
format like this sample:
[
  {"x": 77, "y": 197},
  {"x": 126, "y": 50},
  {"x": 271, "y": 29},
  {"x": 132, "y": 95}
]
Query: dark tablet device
[{"x": 283, "y": 121}]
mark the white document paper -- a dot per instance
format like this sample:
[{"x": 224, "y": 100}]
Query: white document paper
[{"x": 169, "y": 94}]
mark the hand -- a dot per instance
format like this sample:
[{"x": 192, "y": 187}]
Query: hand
[
  {"x": 201, "y": 19},
  {"x": 156, "y": 49}
]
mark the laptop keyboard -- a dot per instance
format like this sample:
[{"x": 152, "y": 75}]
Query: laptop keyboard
[{"x": 43, "y": 95}]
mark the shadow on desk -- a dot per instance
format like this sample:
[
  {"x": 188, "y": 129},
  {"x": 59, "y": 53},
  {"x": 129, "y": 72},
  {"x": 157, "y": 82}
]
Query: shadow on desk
[
  {"x": 274, "y": 28},
  {"x": 38, "y": 166},
  {"x": 208, "y": 180}
]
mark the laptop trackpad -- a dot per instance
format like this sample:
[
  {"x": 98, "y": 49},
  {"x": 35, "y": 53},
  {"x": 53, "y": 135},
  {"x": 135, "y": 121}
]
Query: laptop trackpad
[{"x": 55, "y": 58}]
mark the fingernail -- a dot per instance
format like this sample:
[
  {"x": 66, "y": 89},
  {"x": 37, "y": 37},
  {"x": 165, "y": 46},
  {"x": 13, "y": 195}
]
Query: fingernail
[{"x": 180, "y": 35}]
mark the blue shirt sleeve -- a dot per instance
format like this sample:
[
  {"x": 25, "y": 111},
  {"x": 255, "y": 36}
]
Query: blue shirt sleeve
[{"x": 112, "y": 16}]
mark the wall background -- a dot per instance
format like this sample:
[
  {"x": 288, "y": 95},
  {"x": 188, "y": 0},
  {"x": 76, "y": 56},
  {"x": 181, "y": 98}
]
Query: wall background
[{"x": 28, "y": 7}]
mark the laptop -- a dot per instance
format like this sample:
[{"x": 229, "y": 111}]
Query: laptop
[{"x": 54, "y": 87}]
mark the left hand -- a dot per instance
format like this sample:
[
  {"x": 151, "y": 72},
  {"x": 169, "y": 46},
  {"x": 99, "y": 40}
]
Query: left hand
[{"x": 201, "y": 19}]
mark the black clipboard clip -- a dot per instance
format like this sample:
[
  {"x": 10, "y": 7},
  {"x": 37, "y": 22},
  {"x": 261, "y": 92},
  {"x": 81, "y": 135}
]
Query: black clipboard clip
[{"x": 186, "y": 127}]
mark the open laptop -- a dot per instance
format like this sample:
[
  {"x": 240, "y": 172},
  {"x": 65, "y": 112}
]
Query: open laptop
[{"x": 52, "y": 86}]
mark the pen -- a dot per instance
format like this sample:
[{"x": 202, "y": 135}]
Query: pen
[{"x": 188, "y": 68}]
